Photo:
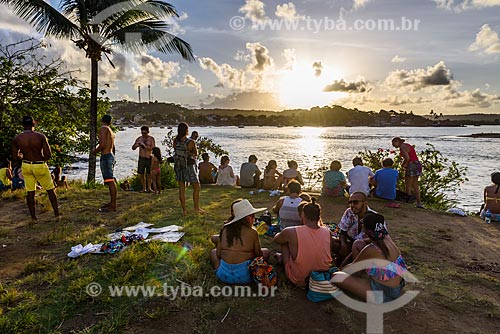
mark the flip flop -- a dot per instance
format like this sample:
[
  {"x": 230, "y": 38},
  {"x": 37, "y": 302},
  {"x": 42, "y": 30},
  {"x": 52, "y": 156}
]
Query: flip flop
[
  {"x": 107, "y": 209},
  {"x": 393, "y": 205}
]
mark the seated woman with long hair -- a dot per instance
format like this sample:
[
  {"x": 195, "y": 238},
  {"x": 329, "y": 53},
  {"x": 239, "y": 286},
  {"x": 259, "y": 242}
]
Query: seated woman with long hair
[
  {"x": 237, "y": 246},
  {"x": 272, "y": 178},
  {"x": 382, "y": 276}
]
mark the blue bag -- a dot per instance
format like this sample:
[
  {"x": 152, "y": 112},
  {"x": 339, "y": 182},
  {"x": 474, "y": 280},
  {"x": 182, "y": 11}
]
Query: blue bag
[{"x": 320, "y": 288}]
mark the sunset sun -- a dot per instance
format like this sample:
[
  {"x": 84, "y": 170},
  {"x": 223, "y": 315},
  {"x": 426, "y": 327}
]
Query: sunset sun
[{"x": 301, "y": 88}]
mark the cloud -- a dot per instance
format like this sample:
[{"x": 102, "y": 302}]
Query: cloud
[
  {"x": 254, "y": 10},
  {"x": 396, "y": 100},
  {"x": 124, "y": 97},
  {"x": 249, "y": 78},
  {"x": 245, "y": 101},
  {"x": 462, "y": 5},
  {"x": 288, "y": 12},
  {"x": 360, "y": 4},
  {"x": 152, "y": 69},
  {"x": 475, "y": 98},
  {"x": 227, "y": 75},
  {"x": 9, "y": 21},
  {"x": 290, "y": 58},
  {"x": 259, "y": 56},
  {"x": 437, "y": 75},
  {"x": 487, "y": 40},
  {"x": 190, "y": 80},
  {"x": 357, "y": 86},
  {"x": 398, "y": 59},
  {"x": 318, "y": 68}
]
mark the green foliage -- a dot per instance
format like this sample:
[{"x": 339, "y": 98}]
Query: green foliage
[
  {"x": 204, "y": 145},
  {"x": 168, "y": 180},
  {"x": 31, "y": 84},
  {"x": 440, "y": 175},
  {"x": 314, "y": 177},
  {"x": 98, "y": 36}
]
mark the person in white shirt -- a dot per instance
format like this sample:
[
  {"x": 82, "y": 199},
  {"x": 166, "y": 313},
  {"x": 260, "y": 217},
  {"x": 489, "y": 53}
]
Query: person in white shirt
[{"x": 359, "y": 177}]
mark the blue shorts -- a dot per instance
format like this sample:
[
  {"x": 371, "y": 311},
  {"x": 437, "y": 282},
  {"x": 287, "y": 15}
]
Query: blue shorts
[
  {"x": 107, "y": 163},
  {"x": 234, "y": 273},
  {"x": 390, "y": 293}
]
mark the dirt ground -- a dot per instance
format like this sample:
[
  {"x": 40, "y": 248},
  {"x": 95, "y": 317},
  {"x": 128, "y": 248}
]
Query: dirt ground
[{"x": 461, "y": 248}]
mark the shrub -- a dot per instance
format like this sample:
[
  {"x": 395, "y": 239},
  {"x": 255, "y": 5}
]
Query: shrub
[
  {"x": 168, "y": 180},
  {"x": 203, "y": 144},
  {"x": 440, "y": 175}
]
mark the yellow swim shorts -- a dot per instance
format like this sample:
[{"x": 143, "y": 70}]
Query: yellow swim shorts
[{"x": 34, "y": 173}]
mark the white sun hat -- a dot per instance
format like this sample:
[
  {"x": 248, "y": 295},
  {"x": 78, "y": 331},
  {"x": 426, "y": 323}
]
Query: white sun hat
[{"x": 242, "y": 209}]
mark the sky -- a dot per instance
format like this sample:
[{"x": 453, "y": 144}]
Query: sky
[{"x": 440, "y": 55}]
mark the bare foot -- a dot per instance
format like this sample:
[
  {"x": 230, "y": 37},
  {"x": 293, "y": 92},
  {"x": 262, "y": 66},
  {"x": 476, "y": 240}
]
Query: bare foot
[
  {"x": 199, "y": 211},
  {"x": 33, "y": 222}
]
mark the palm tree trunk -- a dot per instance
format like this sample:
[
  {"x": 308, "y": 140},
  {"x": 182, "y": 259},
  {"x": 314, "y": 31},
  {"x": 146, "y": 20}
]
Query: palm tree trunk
[{"x": 93, "y": 118}]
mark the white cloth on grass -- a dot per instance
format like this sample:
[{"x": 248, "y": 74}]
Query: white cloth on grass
[{"x": 79, "y": 250}]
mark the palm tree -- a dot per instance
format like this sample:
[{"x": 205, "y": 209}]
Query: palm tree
[{"x": 100, "y": 26}]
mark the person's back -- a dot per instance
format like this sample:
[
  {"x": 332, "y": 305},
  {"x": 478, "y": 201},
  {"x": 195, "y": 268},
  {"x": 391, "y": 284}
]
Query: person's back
[
  {"x": 240, "y": 250},
  {"x": 333, "y": 183},
  {"x": 359, "y": 177},
  {"x": 205, "y": 172},
  {"x": 312, "y": 253},
  {"x": 492, "y": 199},
  {"x": 31, "y": 145},
  {"x": 248, "y": 174},
  {"x": 292, "y": 174},
  {"x": 225, "y": 176},
  {"x": 288, "y": 213},
  {"x": 386, "y": 180}
]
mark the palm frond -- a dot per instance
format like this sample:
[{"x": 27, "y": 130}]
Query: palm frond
[
  {"x": 128, "y": 18},
  {"x": 160, "y": 8},
  {"x": 76, "y": 8},
  {"x": 152, "y": 39},
  {"x": 43, "y": 17}
]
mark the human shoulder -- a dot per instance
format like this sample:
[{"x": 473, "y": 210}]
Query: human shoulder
[{"x": 369, "y": 252}]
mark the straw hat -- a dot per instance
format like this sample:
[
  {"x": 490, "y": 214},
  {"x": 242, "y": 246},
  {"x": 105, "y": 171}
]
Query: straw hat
[{"x": 242, "y": 209}]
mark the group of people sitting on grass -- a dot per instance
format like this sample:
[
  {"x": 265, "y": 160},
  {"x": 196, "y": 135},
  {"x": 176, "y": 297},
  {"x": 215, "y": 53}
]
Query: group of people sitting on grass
[
  {"x": 307, "y": 245},
  {"x": 382, "y": 183},
  {"x": 250, "y": 174}
]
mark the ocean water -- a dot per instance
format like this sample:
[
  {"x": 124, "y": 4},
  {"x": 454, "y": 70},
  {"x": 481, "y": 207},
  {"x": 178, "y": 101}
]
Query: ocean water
[{"x": 313, "y": 147}]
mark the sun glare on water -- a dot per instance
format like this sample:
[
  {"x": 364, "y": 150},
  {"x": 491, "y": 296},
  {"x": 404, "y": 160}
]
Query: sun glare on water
[{"x": 301, "y": 88}]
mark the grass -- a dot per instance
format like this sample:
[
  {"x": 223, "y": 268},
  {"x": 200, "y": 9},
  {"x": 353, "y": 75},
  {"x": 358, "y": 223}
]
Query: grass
[{"x": 48, "y": 294}]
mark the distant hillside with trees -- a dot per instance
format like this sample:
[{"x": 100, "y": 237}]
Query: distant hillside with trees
[{"x": 170, "y": 114}]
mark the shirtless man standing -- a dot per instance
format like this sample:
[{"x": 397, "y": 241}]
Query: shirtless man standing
[
  {"x": 34, "y": 150},
  {"x": 145, "y": 143},
  {"x": 107, "y": 149}
]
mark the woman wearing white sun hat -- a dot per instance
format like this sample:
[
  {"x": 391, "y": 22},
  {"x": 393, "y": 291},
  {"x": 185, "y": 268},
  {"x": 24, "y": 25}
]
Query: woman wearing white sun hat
[{"x": 238, "y": 245}]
